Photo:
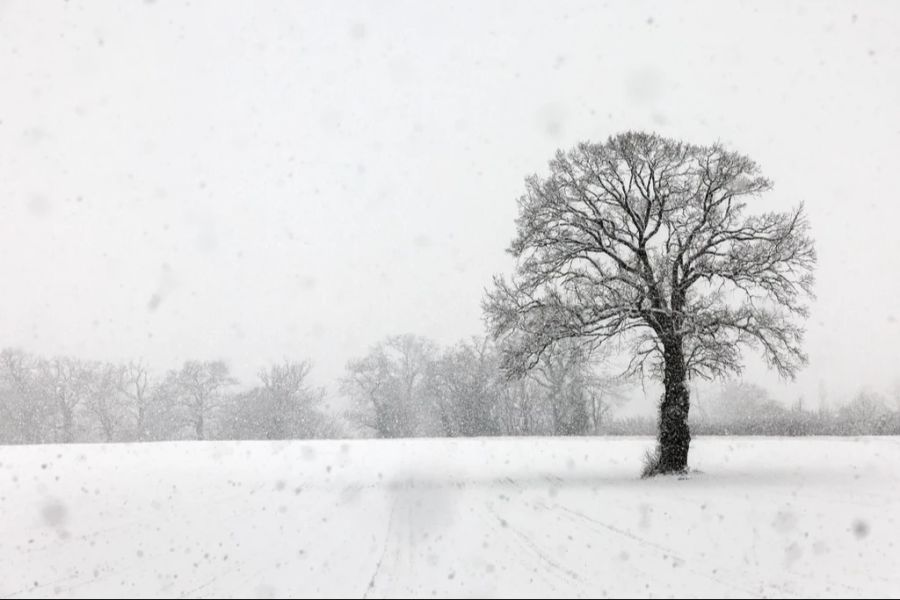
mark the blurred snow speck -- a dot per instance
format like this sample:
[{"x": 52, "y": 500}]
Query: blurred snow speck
[
  {"x": 792, "y": 554},
  {"x": 785, "y": 521},
  {"x": 551, "y": 119},
  {"x": 357, "y": 30},
  {"x": 39, "y": 205},
  {"x": 154, "y": 302},
  {"x": 54, "y": 514},
  {"x": 860, "y": 529},
  {"x": 166, "y": 284},
  {"x": 35, "y": 134}
]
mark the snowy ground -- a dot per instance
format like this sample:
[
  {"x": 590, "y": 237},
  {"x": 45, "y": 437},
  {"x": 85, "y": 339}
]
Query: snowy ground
[{"x": 522, "y": 517}]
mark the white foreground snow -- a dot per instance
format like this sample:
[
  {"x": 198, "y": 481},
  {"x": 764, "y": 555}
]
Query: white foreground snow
[{"x": 502, "y": 517}]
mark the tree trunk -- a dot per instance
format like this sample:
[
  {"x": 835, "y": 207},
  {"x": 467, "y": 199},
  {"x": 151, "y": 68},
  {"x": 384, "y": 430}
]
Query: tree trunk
[
  {"x": 108, "y": 427},
  {"x": 674, "y": 433},
  {"x": 198, "y": 426},
  {"x": 141, "y": 422}
]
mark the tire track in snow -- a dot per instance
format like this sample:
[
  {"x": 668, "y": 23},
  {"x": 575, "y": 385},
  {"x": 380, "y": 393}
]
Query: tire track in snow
[
  {"x": 587, "y": 584},
  {"x": 665, "y": 550},
  {"x": 568, "y": 575},
  {"x": 384, "y": 548},
  {"x": 514, "y": 543}
]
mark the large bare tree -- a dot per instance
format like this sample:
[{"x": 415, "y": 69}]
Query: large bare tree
[{"x": 648, "y": 241}]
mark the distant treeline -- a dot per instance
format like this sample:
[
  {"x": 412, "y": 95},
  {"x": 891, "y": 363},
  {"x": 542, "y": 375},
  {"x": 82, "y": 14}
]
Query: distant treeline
[
  {"x": 408, "y": 386},
  {"x": 62, "y": 400},
  {"x": 405, "y": 386},
  {"x": 746, "y": 409}
]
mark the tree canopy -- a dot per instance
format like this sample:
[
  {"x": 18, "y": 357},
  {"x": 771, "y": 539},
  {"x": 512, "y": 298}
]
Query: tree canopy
[{"x": 643, "y": 237}]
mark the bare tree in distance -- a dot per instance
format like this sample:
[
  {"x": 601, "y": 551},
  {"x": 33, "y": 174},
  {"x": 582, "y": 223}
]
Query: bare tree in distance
[
  {"x": 287, "y": 388},
  {"x": 66, "y": 381},
  {"x": 647, "y": 241},
  {"x": 199, "y": 386},
  {"x": 134, "y": 382},
  {"x": 578, "y": 397},
  {"x": 464, "y": 386},
  {"x": 390, "y": 386},
  {"x": 289, "y": 406},
  {"x": 26, "y": 411},
  {"x": 557, "y": 373},
  {"x": 104, "y": 401}
]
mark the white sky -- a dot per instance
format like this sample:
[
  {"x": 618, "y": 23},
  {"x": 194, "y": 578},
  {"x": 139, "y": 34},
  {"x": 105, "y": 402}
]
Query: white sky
[{"x": 261, "y": 180}]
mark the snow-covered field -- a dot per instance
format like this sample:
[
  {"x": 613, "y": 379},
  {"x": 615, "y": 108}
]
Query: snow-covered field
[{"x": 520, "y": 517}]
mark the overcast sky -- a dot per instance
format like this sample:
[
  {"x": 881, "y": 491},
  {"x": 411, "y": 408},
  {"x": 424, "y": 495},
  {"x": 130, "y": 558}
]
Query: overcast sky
[{"x": 258, "y": 180}]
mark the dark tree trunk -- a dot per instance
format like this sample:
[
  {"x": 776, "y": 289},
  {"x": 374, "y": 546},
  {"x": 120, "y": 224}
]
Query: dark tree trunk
[
  {"x": 674, "y": 433},
  {"x": 140, "y": 425}
]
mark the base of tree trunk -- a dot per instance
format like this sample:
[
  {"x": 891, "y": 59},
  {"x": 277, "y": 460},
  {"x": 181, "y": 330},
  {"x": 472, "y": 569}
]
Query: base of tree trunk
[
  {"x": 654, "y": 465},
  {"x": 671, "y": 455}
]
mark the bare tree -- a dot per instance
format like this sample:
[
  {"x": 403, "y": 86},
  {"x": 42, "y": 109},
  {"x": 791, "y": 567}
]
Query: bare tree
[
  {"x": 867, "y": 413},
  {"x": 167, "y": 414},
  {"x": 198, "y": 388},
  {"x": 103, "y": 399},
  {"x": 519, "y": 407},
  {"x": 647, "y": 240},
  {"x": 285, "y": 406},
  {"x": 465, "y": 386},
  {"x": 26, "y": 413},
  {"x": 389, "y": 386},
  {"x": 561, "y": 375},
  {"x": 286, "y": 390},
  {"x": 135, "y": 384},
  {"x": 66, "y": 382},
  {"x": 578, "y": 398}
]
